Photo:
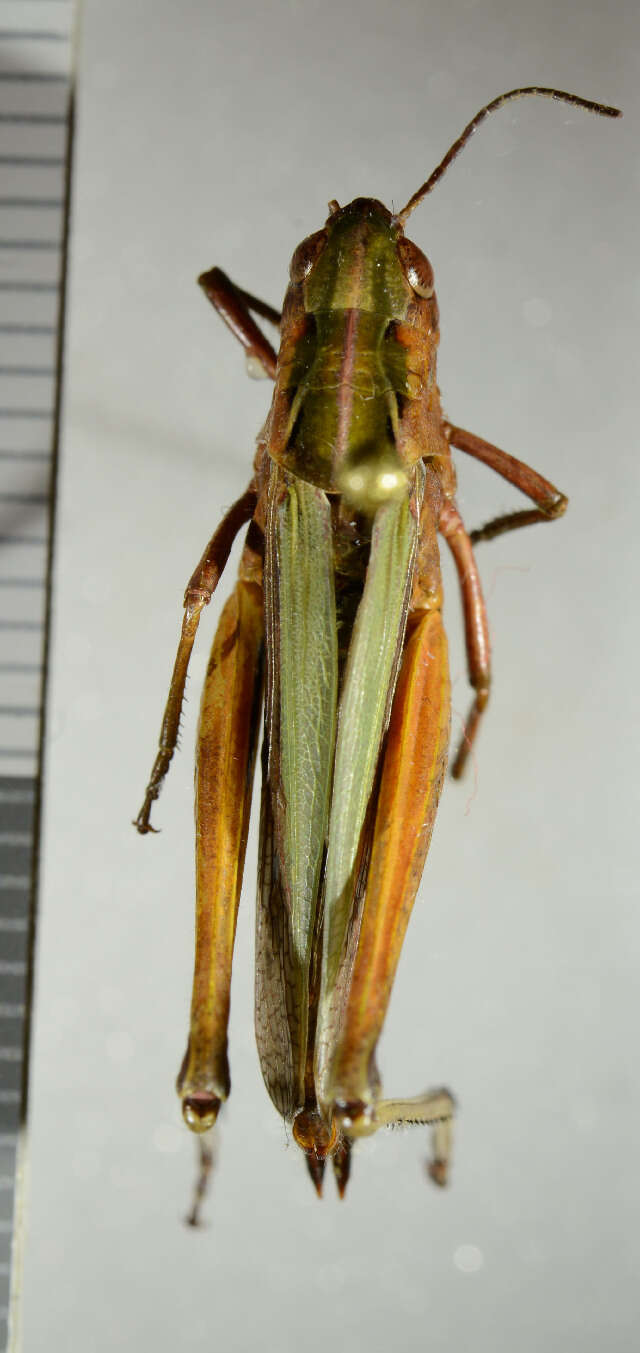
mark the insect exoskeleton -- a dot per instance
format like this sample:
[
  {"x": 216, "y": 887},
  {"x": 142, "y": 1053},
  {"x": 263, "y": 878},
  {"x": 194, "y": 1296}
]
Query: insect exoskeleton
[{"x": 336, "y": 618}]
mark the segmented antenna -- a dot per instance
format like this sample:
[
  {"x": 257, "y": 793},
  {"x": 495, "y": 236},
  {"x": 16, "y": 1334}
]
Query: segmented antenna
[{"x": 602, "y": 108}]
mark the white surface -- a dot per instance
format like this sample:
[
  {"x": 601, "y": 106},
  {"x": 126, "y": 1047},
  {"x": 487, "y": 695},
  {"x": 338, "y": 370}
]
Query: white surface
[{"x": 217, "y": 134}]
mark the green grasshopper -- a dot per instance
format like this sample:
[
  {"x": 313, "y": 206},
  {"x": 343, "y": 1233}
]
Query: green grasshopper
[{"x": 337, "y": 610}]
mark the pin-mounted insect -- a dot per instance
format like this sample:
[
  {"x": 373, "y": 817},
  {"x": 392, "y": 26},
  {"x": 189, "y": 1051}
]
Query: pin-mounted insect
[{"x": 337, "y": 616}]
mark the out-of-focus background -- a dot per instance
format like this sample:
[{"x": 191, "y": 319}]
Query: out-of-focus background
[{"x": 216, "y": 133}]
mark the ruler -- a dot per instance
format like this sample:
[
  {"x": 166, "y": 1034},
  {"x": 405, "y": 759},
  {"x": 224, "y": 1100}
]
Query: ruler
[{"x": 35, "y": 144}]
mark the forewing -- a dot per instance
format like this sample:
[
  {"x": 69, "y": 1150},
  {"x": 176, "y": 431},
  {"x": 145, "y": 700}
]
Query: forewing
[
  {"x": 369, "y": 681},
  {"x": 281, "y": 996},
  {"x": 303, "y": 684}
]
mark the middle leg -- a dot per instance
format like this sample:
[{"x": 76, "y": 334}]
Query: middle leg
[
  {"x": 476, "y": 626},
  {"x": 549, "y": 501}
]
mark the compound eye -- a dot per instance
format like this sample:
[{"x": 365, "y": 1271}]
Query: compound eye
[
  {"x": 417, "y": 269},
  {"x": 306, "y": 254}
]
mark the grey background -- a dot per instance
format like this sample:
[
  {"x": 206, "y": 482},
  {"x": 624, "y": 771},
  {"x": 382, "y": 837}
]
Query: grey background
[{"x": 217, "y": 133}]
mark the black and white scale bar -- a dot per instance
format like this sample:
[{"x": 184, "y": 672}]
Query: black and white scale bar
[{"x": 35, "y": 132}]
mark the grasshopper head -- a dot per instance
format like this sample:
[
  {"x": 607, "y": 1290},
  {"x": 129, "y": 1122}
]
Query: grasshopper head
[{"x": 361, "y": 260}]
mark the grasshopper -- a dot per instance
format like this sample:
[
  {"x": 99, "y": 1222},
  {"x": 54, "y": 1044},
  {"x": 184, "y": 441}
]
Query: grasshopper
[{"x": 337, "y": 612}]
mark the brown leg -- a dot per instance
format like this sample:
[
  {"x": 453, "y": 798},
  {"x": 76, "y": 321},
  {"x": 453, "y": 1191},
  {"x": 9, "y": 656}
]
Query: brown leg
[
  {"x": 475, "y": 625},
  {"x": 235, "y": 305},
  {"x": 206, "y": 1162},
  {"x": 199, "y": 592},
  {"x": 229, "y": 715},
  {"x": 550, "y": 503}
]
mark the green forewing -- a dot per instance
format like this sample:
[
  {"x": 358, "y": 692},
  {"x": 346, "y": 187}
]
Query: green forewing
[
  {"x": 369, "y": 678},
  {"x": 308, "y": 686}
]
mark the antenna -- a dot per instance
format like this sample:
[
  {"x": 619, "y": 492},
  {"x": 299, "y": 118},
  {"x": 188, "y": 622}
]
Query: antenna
[{"x": 602, "y": 109}]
